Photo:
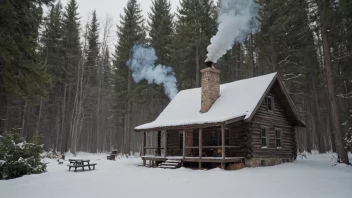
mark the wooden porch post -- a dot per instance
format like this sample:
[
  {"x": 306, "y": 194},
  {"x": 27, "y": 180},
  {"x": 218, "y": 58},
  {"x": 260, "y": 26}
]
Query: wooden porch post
[
  {"x": 143, "y": 147},
  {"x": 223, "y": 146},
  {"x": 184, "y": 144},
  {"x": 159, "y": 144},
  {"x": 165, "y": 143},
  {"x": 200, "y": 147}
]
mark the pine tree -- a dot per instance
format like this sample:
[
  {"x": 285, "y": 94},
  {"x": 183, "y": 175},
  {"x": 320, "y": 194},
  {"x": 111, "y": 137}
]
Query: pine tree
[
  {"x": 131, "y": 31},
  {"x": 20, "y": 73},
  {"x": 52, "y": 57},
  {"x": 329, "y": 77},
  {"x": 52, "y": 43},
  {"x": 161, "y": 30},
  {"x": 161, "y": 34},
  {"x": 72, "y": 55},
  {"x": 286, "y": 44},
  {"x": 93, "y": 49},
  {"x": 194, "y": 27}
]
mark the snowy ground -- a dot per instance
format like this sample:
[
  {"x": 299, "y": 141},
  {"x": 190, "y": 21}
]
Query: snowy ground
[{"x": 312, "y": 177}]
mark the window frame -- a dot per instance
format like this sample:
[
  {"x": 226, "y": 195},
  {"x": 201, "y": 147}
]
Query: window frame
[
  {"x": 266, "y": 137},
  {"x": 271, "y": 105},
  {"x": 276, "y": 138}
]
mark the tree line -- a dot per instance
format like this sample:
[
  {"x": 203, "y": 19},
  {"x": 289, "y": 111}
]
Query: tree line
[{"x": 59, "y": 79}]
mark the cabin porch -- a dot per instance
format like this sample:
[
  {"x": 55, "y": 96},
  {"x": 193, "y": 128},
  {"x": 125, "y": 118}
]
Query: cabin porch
[{"x": 216, "y": 146}]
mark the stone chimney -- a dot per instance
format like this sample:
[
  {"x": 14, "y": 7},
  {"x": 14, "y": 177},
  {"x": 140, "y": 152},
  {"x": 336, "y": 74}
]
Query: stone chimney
[{"x": 210, "y": 88}]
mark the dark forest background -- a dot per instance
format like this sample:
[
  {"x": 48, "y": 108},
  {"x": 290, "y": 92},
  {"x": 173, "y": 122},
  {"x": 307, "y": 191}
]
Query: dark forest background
[{"x": 59, "y": 78}]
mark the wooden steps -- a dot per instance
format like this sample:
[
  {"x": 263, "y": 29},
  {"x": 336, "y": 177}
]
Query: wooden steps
[{"x": 170, "y": 164}]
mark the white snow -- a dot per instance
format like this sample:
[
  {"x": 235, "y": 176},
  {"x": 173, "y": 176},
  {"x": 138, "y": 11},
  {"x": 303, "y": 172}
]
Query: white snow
[
  {"x": 2, "y": 162},
  {"x": 313, "y": 177},
  {"x": 236, "y": 99}
]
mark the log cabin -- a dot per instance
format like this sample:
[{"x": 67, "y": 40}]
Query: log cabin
[{"x": 250, "y": 122}]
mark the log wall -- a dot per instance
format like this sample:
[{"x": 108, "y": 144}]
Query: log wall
[
  {"x": 239, "y": 135},
  {"x": 272, "y": 120},
  {"x": 174, "y": 142}
]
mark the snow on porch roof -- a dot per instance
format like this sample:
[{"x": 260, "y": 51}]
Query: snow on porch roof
[{"x": 237, "y": 99}]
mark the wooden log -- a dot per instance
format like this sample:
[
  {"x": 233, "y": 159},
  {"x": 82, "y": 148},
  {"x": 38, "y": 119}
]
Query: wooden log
[
  {"x": 165, "y": 142},
  {"x": 143, "y": 145},
  {"x": 159, "y": 144},
  {"x": 200, "y": 146},
  {"x": 223, "y": 141},
  {"x": 184, "y": 144},
  {"x": 149, "y": 148}
]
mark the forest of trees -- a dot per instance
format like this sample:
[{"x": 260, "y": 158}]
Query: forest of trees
[{"x": 59, "y": 78}]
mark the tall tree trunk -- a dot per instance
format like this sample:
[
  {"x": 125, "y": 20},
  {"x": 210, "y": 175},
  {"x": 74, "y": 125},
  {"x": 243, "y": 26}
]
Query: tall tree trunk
[
  {"x": 252, "y": 55},
  {"x": 341, "y": 151},
  {"x": 57, "y": 125},
  {"x": 319, "y": 122},
  {"x": 274, "y": 61},
  {"x": 24, "y": 116},
  {"x": 197, "y": 67},
  {"x": 39, "y": 117},
  {"x": 63, "y": 118}
]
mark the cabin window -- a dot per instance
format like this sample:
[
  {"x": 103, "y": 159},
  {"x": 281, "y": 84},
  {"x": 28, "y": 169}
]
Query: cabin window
[
  {"x": 270, "y": 103},
  {"x": 181, "y": 139},
  {"x": 264, "y": 137},
  {"x": 278, "y": 138}
]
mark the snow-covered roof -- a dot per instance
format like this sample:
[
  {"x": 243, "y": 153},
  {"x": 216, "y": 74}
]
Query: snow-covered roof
[{"x": 237, "y": 99}]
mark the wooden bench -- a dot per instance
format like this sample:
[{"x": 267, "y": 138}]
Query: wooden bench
[
  {"x": 112, "y": 155},
  {"x": 81, "y": 166}
]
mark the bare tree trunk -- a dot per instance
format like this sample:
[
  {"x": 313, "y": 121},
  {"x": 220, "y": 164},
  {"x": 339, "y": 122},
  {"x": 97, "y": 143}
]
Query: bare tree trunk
[
  {"x": 197, "y": 67},
  {"x": 57, "y": 125},
  {"x": 252, "y": 55},
  {"x": 341, "y": 151},
  {"x": 39, "y": 117},
  {"x": 63, "y": 113},
  {"x": 319, "y": 121},
  {"x": 24, "y": 116}
]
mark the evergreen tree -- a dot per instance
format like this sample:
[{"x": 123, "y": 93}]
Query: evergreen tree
[
  {"x": 161, "y": 35},
  {"x": 72, "y": 55},
  {"x": 52, "y": 43},
  {"x": 131, "y": 31},
  {"x": 21, "y": 157},
  {"x": 107, "y": 72},
  {"x": 161, "y": 30},
  {"x": 286, "y": 44},
  {"x": 194, "y": 27},
  {"x": 323, "y": 10},
  {"x": 71, "y": 28},
  {"x": 20, "y": 73},
  {"x": 93, "y": 49}
]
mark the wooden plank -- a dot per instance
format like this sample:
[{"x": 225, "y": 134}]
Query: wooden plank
[
  {"x": 200, "y": 146},
  {"x": 213, "y": 159},
  {"x": 159, "y": 143},
  {"x": 193, "y": 126},
  {"x": 143, "y": 144},
  {"x": 148, "y": 148},
  {"x": 184, "y": 144},
  {"x": 212, "y": 147},
  {"x": 223, "y": 141},
  {"x": 165, "y": 142}
]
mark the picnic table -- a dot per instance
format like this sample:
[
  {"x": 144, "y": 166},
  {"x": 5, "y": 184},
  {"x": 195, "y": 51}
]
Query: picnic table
[{"x": 80, "y": 163}]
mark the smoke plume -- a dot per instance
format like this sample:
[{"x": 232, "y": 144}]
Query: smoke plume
[
  {"x": 236, "y": 18},
  {"x": 143, "y": 67}
]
